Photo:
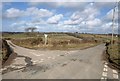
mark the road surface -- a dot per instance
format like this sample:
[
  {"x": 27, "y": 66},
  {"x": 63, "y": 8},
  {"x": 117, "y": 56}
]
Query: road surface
[{"x": 56, "y": 64}]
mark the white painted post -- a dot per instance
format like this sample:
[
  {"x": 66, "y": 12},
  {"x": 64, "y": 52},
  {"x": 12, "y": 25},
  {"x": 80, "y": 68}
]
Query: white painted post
[{"x": 45, "y": 38}]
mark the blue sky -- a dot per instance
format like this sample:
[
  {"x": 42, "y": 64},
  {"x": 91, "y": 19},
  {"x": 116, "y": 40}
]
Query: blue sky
[{"x": 89, "y": 17}]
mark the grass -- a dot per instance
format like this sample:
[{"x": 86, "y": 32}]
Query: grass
[
  {"x": 14, "y": 36},
  {"x": 5, "y": 52},
  {"x": 60, "y": 38},
  {"x": 59, "y": 41},
  {"x": 69, "y": 47},
  {"x": 0, "y": 55},
  {"x": 21, "y": 35},
  {"x": 114, "y": 53},
  {"x": 61, "y": 47},
  {"x": 54, "y": 43}
]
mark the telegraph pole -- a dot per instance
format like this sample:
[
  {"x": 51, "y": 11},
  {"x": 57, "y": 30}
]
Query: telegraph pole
[{"x": 113, "y": 26}]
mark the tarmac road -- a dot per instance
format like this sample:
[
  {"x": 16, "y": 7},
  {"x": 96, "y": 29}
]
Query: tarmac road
[{"x": 56, "y": 64}]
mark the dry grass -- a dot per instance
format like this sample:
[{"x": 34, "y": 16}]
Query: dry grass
[
  {"x": 114, "y": 53},
  {"x": 55, "y": 41},
  {"x": 6, "y": 51}
]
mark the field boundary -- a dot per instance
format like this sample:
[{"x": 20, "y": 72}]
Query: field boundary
[{"x": 111, "y": 64}]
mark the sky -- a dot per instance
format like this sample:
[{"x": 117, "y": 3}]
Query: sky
[{"x": 83, "y": 17}]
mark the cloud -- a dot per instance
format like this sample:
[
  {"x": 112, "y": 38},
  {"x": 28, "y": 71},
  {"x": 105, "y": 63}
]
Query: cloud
[
  {"x": 76, "y": 15},
  {"x": 107, "y": 27},
  {"x": 105, "y": 4},
  {"x": 38, "y": 12},
  {"x": 87, "y": 15},
  {"x": 70, "y": 4},
  {"x": 44, "y": 13},
  {"x": 28, "y": 23},
  {"x": 13, "y": 13},
  {"x": 55, "y": 19},
  {"x": 89, "y": 12},
  {"x": 72, "y": 22},
  {"x": 71, "y": 0},
  {"x": 56, "y": 4},
  {"x": 21, "y": 25},
  {"x": 32, "y": 11},
  {"x": 93, "y": 23},
  {"x": 86, "y": 20},
  {"x": 18, "y": 23},
  {"x": 109, "y": 15},
  {"x": 79, "y": 4},
  {"x": 7, "y": 1},
  {"x": 91, "y": 26},
  {"x": 66, "y": 28},
  {"x": 1, "y": 5}
]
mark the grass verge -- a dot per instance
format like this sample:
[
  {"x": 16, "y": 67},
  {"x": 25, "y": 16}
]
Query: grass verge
[{"x": 112, "y": 56}]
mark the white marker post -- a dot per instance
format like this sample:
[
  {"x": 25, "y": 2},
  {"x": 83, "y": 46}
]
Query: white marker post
[{"x": 45, "y": 38}]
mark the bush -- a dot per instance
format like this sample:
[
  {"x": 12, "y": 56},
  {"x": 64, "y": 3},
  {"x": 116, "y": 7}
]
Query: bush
[
  {"x": 7, "y": 38},
  {"x": 88, "y": 39},
  {"x": 64, "y": 43},
  {"x": 36, "y": 41},
  {"x": 54, "y": 44},
  {"x": 75, "y": 41},
  {"x": 59, "y": 43},
  {"x": 28, "y": 41}
]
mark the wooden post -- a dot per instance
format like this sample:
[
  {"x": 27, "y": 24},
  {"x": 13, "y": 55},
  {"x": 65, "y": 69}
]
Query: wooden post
[{"x": 45, "y": 38}]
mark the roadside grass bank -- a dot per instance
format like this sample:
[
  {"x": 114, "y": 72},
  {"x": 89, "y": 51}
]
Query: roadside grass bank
[
  {"x": 5, "y": 52},
  {"x": 55, "y": 41},
  {"x": 112, "y": 55}
]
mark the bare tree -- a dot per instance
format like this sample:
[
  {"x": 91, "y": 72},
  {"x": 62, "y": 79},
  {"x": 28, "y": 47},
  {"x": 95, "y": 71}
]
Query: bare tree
[
  {"x": 32, "y": 29},
  {"x": 26, "y": 29}
]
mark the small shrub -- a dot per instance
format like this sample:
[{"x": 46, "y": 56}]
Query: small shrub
[
  {"x": 7, "y": 38},
  {"x": 75, "y": 41},
  {"x": 64, "y": 43},
  {"x": 36, "y": 41},
  {"x": 88, "y": 39},
  {"x": 54, "y": 44},
  {"x": 28, "y": 41}
]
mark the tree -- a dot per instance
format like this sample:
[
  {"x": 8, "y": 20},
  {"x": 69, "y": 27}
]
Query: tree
[
  {"x": 33, "y": 28},
  {"x": 30, "y": 29},
  {"x": 26, "y": 29}
]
